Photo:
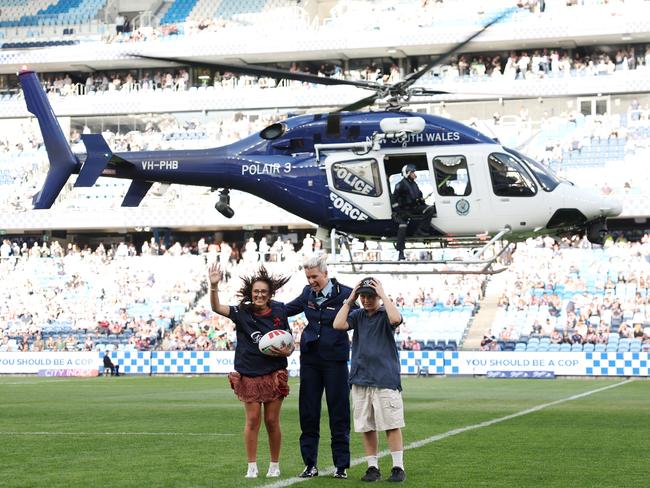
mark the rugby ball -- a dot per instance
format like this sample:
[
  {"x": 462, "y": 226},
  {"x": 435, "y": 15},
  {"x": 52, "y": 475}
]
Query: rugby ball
[{"x": 276, "y": 339}]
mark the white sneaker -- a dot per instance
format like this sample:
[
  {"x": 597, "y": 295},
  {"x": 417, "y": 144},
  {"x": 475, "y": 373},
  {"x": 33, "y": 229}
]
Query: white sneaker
[
  {"x": 252, "y": 472},
  {"x": 273, "y": 473}
]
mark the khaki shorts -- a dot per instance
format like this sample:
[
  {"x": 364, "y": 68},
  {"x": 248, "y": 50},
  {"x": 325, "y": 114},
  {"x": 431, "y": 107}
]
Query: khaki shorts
[{"x": 377, "y": 409}]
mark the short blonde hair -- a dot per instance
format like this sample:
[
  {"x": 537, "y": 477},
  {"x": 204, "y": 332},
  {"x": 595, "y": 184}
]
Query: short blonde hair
[{"x": 316, "y": 261}]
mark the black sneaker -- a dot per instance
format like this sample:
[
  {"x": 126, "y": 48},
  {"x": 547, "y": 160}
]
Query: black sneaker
[
  {"x": 372, "y": 474},
  {"x": 397, "y": 475},
  {"x": 309, "y": 472},
  {"x": 341, "y": 473}
]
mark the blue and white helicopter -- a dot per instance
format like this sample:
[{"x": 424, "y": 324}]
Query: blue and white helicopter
[{"x": 338, "y": 170}]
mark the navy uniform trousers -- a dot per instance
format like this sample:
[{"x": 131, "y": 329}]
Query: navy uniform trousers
[{"x": 316, "y": 375}]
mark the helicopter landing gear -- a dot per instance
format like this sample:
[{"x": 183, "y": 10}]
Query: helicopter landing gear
[
  {"x": 223, "y": 205},
  {"x": 440, "y": 255},
  {"x": 597, "y": 232}
]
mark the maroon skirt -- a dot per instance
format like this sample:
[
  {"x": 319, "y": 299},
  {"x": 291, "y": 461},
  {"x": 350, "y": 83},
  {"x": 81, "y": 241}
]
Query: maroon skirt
[{"x": 260, "y": 389}]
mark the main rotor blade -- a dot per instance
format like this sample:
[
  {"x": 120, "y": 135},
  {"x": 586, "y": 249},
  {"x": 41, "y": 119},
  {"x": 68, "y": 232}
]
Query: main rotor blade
[
  {"x": 275, "y": 73},
  {"x": 418, "y": 91},
  {"x": 364, "y": 102},
  {"x": 442, "y": 57}
]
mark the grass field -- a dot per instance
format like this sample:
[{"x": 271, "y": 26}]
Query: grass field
[{"x": 186, "y": 432}]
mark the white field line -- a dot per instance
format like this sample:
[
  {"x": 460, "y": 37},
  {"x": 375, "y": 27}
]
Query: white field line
[
  {"x": 450, "y": 433},
  {"x": 90, "y": 434}
]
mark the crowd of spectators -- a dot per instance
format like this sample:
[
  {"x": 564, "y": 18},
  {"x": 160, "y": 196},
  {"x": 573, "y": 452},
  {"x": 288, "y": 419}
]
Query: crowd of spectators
[
  {"x": 153, "y": 296},
  {"x": 575, "y": 294},
  {"x": 515, "y": 65},
  {"x": 549, "y": 62},
  {"x": 54, "y": 294}
]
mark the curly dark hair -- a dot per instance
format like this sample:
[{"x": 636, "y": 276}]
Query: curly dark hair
[{"x": 245, "y": 293}]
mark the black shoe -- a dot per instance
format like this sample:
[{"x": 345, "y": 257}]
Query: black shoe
[
  {"x": 341, "y": 473},
  {"x": 397, "y": 475},
  {"x": 400, "y": 257},
  {"x": 309, "y": 472},
  {"x": 372, "y": 474}
]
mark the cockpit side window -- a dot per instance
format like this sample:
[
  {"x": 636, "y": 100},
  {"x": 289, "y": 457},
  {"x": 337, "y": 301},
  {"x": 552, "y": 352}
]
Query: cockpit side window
[
  {"x": 360, "y": 176},
  {"x": 547, "y": 179},
  {"x": 509, "y": 178},
  {"x": 452, "y": 176}
]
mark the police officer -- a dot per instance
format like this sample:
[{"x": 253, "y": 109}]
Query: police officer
[
  {"x": 324, "y": 354},
  {"x": 408, "y": 203}
]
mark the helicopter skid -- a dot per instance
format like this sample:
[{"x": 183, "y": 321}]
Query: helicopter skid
[
  {"x": 423, "y": 268},
  {"x": 492, "y": 258},
  {"x": 428, "y": 257}
]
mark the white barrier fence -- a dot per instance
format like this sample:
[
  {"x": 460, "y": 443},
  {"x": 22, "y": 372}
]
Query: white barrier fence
[
  {"x": 505, "y": 364},
  {"x": 50, "y": 363}
]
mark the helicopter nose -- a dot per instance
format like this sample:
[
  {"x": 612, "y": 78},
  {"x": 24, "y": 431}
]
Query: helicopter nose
[
  {"x": 592, "y": 205},
  {"x": 612, "y": 207}
]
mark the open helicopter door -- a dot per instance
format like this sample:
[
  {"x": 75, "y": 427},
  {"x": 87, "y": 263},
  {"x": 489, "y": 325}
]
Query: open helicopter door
[{"x": 356, "y": 189}]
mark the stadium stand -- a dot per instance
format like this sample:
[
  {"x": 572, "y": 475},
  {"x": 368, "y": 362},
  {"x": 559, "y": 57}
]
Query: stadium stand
[
  {"x": 576, "y": 297},
  {"x": 45, "y": 12},
  {"x": 604, "y": 147},
  {"x": 178, "y": 12},
  {"x": 130, "y": 298}
]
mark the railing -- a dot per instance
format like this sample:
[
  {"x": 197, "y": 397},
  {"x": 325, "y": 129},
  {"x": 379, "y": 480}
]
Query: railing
[{"x": 144, "y": 19}]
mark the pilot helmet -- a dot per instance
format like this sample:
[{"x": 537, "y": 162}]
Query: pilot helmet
[{"x": 407, "y": 169}]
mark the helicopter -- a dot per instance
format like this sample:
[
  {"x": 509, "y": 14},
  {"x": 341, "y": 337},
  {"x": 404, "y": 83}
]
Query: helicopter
[{"x": 338, "y": 169}]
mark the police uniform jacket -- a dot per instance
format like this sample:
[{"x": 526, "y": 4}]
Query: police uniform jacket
[
  {"x": 407, "y": 194},
  {"x": 319, "y": 336}
]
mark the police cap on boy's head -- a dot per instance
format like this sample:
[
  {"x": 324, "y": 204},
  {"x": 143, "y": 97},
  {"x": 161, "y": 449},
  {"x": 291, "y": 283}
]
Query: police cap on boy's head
[{"x": 366, "y": 286}]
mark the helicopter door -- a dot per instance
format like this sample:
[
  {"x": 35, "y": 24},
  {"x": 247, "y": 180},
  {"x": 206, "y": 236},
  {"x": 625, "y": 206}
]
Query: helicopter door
[
  {"x": 393, "y": 164},
  {"x": 514, "y": 191},
  {"x": 458, "y": 199},
  {"x": 355, "y": 184}
]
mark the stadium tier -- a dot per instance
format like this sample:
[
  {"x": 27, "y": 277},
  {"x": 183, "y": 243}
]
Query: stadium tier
[
  {"x": 529, "y": 144},
  {"x": 581, "y": 108},
  {"x": 110, "y": 297},
  {"x": 575, "y": 299}
]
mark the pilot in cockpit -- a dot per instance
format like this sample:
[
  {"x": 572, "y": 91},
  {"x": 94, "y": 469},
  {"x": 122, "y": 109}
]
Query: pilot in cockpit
[{"x": 459, "y": 185}]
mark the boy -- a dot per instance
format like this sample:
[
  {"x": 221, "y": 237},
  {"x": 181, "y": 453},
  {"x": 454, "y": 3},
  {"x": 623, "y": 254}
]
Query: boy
[{"x": 375, "y": 373}]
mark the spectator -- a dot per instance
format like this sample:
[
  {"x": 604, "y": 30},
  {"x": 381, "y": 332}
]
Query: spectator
[
  {"x": 259, "y": 380},
  {"x": 109, "y": 366},
  {"x": 375, "y": 374}
]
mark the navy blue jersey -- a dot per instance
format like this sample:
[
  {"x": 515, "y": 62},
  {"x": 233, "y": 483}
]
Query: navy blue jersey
[
  {"x": 375, "y": 358},
  {"x": 250, "y": 328}
]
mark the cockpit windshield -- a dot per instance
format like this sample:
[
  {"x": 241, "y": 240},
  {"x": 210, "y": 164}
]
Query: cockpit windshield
[{"x": 547, "y": 179}]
